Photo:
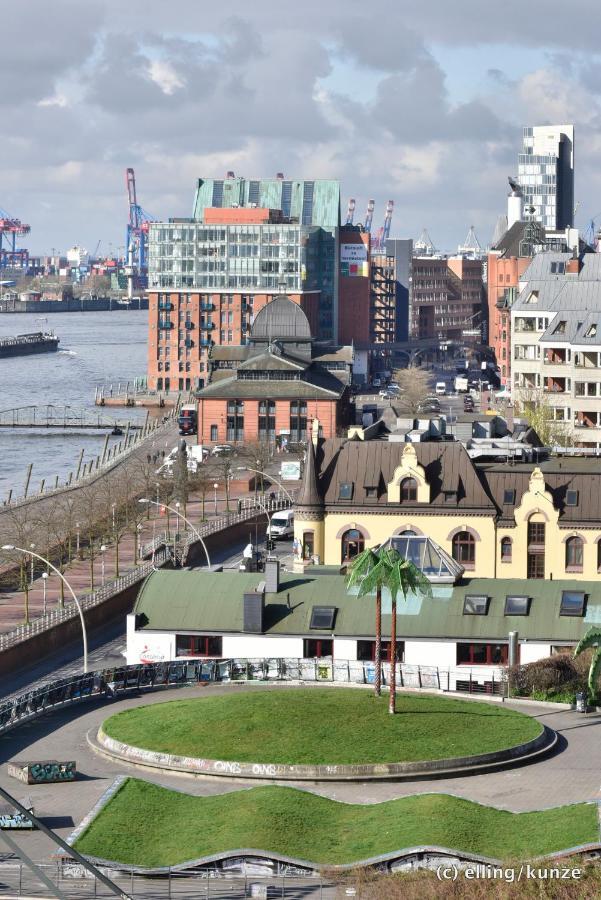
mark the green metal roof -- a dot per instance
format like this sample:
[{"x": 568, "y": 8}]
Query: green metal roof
[
  {"x": 191, "y": 601},
  {"x": 311, "y": 202}
]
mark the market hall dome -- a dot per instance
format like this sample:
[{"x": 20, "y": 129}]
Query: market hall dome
[{"x": 281, "y": 319}]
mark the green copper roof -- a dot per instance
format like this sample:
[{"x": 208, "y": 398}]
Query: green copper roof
[
  {"x": 310, "y": 202},
  {"x": 192, "y": 601}
]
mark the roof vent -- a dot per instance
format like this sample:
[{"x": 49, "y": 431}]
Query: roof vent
[
  {"x": 230, "y": 174},
  {"x": 272, "y": 576},
  {"x": 280, "y": 176},
  {"x": 254, "y": 604}
]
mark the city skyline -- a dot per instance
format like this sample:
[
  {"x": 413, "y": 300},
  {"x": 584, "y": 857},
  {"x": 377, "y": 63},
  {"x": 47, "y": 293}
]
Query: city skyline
[{"x": 426, "y": 110}]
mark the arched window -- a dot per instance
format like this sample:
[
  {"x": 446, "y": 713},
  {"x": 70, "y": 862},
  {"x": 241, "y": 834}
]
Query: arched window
[
  {"x": 506, "y": 548},
  {"x": 353, "y": 543},
  {"x": 598, "y": 556},
  {"x": 408, "y": 533},
  {"x": 408, "y": 490},
  {"x": 574, "y": 554},
  {"x": 464, "y": 549}
]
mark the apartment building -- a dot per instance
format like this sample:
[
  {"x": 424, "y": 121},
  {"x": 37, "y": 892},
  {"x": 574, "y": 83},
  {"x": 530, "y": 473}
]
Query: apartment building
[
  {"x": 446, "y": 299},
  {"x": 556, "y": 343}
]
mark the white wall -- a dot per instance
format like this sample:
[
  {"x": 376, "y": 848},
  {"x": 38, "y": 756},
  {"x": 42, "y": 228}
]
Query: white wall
[
  {"x": 258, "y": 645},
  {"x": 431, "y": 653},
  {"x": 530, "y": 652},
  {"x": 344, "y": 648},
  {"x": 148, "y": 646}
]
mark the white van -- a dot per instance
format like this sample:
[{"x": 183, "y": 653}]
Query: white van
[
  {"x": 281, "y": 524},
  {"x": 196, "y": 455},
  {"x": 441, "y": 388}
]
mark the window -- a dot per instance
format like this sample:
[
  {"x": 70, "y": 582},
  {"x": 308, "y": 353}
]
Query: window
[
  {"x": 266, "y": 420},
  {"x": 345, "y": 490},
  {"x": 535, "y": 564},
  {"x": 574, "y": 554},
  {"x": 298, "y": 420},
  {"x": 592, "y": 332},
  {"x": 572, "y": 603},
  {"x": 482, "y": 654},
  {"x": 560, "y": 328},
  {"x": 308, "y": 544},
  {"x": 197, "y": 645},
  {"x": 517, "y": 605},
  {"x": 313, "y": 649},
  {"x": 235, "y": 420},
  {"x": 506, "y": 549},
  {"x": 475, "y": 605},
  {"x": 371, "y": 492},
  {"x": 598, "y": 556},
  {"x": 214, "y": 433},
  {"x": 571, "y": 498},
  {"x": 464, "y": 549},
  {"x": 408, "y": 490},
  {"x": 353, "y": 543},
  {"x": 508, "y": 497},
  {"x": 322, "y": 618},
  {"x": 366, "y": 651}
]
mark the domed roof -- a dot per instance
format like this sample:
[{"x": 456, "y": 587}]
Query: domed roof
[{"x": 281, "y": 319}]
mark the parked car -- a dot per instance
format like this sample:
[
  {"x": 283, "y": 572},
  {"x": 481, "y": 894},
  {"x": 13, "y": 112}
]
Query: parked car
[
  {"x": 377, "y": 382},
  {"x": 468, "y": 403},
  {"x": 385, "y": 394},
  {"x": 441, "y": 388},
  {"x": 222, "y": 450}
]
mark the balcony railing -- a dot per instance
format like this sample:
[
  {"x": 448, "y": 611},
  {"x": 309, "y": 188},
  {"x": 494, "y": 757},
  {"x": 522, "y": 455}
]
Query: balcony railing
[
  {"x": 165, "y": 326},
  {"x": 189, "y": 326},
  {"x": 554, "y": 362},
  {"x": 207, "y": 326},
  {"x": 165, "y": 305},
  {"x": 207, "y": 307}
]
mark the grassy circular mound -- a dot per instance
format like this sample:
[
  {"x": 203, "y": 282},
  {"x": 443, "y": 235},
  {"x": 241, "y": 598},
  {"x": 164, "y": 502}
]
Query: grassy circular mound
[{"x": 317, "y": 726}]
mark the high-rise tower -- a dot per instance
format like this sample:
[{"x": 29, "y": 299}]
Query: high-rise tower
[{"x": 546, "y": 175}]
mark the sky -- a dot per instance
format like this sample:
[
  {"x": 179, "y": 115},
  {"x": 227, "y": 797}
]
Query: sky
[{"x": 423, "y": 104}]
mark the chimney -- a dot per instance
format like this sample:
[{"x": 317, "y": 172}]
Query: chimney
[
  {"x": 272, "y": 576},
  {"x": 254, "y": 604},
  {"x": 574, "y": 265},
  {"x": 280, "y": 176},
  {"x": 230, "y": 174}
]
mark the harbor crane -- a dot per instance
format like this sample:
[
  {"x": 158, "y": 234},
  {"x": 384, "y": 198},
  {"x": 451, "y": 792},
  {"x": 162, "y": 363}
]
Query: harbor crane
[
  {"x": 137, "y": 228},
  {"x": 369, "y": 215},
  {"x": 384, "y": 232},
  {"x": 11, "y": 228},
  {"x": 350, "y": 211}
]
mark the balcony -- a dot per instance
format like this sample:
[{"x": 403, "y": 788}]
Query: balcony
[
  {"x": 189, "y": 326},
  {"x": 165, "y": 326},
  {"x": 189, "y": 342},
  {"x": 207, "y": 306},
  {"x": 206, "y": 342},
  {"x": 207, "y": 326},
  {"x": 165, "y": 305}
]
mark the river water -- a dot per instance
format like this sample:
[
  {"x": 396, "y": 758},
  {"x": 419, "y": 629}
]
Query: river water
[{"x": 96, "y": 348}]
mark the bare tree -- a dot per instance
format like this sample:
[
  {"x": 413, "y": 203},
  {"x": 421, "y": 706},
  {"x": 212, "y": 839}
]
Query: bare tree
[
  {"x": 224, "y": 470},
  {"x": 90, "y": 515},
  {"x": 415, "y": 384},
  {"x": 258, "y": 457},
  {"x": 19, "y": 528}
]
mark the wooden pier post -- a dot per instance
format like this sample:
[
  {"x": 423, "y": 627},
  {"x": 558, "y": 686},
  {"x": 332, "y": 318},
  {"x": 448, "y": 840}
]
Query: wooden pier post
[
  {"x": 79, "y": 464},
  {"x": 42, "y": 483},
  {"x": 28, "y": 478},
  {"x": 104, "y": 449}
]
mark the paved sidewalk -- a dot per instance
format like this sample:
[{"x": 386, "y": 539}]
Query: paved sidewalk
[
  {"x": 78, "y": 571},
  {"x": 571, "y": 775}
]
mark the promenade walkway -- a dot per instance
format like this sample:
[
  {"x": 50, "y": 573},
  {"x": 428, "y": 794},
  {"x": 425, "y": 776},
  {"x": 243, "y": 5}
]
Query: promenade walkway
[{"x": 78, "y": 571}]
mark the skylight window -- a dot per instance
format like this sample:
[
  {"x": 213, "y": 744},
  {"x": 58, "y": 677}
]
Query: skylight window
[
  {"x": 517, "y": 605},
  {"x": 571, "y": 498},
  {"x": 508, "y": 496},
  {"x": 572, "y": 603},
  {"x": 475, "y": 605},
  {"x": 322, "y": 618},
  {"x": 560, "y": 328},
  {"x": 345, "y": 490},
  {"x": 592, "y": 332}
]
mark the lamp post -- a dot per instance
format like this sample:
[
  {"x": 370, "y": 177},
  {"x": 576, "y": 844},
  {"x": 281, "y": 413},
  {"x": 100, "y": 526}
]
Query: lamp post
[
  {"x": 44, "y": 580},
  {"x": 69, "y": 588},
  {"x": 102, "y": 552},
  {"x": 32, "y": 547},
  {"x": 113, "y": 507},
  {"x": 215, "y": 486},
  {"x": 77, "y": 533},
  {"x": 184, "y": 519},
  {"x": 271, "y": 478}
]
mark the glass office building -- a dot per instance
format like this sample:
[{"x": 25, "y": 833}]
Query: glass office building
[{"x": 546, "y": 175}]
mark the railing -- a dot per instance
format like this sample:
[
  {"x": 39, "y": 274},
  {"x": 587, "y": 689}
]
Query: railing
[{"x": 110, "y": 683}]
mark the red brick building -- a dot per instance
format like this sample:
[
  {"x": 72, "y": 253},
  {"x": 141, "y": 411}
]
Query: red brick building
[{"x": 274, "y": 387}]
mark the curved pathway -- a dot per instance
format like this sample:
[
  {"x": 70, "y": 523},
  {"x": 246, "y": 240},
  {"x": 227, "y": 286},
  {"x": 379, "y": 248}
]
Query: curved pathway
[{"x": 570, "y": 775}]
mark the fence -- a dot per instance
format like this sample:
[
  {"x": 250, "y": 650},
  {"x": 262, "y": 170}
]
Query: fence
[{"x": 110, "y": 683}]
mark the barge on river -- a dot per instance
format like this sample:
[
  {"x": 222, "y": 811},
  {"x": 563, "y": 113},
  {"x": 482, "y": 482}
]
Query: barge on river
[{"x": 23, "y": 344}]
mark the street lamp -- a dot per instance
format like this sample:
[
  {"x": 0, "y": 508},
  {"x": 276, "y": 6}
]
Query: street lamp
[
  {"x": 102, "y": 552},
  {"x": 69, "y": 588},
  {"x": 44, "y": 580},
  {"x": 215, "y": 486},
  {"x": 113, "y": 506},
  {"x": 77, "y": 527},
  {"x": 145, "y": 500},
  {"x": 32, "y": 547},
  {"x": 265, "y": 475}
]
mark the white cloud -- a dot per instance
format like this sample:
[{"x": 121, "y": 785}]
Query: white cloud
[
  {"x": 164, "y": 75},
  {"x": 55, "y": 100}
]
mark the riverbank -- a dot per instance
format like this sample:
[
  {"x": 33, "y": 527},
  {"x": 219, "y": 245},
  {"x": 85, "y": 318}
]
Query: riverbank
[{"x": 73, "y": 304}]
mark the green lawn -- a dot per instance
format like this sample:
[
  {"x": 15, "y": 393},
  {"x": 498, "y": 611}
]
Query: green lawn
[
  {"x": 150, "y": 826},
  {"x": 321, "y": 725}
]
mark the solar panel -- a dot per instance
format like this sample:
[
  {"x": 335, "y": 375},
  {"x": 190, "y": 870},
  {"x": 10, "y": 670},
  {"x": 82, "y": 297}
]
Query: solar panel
[{"x": 322, "y": 617}]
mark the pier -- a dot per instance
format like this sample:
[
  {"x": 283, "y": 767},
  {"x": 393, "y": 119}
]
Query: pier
[{"x": 61, "y": 417}]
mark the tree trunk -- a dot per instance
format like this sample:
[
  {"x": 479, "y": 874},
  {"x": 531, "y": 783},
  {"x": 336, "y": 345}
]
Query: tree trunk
[
  {"x": 378, "y": 655},
  {"x": 117, "y": 542},
  {"x": 392, "y": 701}
]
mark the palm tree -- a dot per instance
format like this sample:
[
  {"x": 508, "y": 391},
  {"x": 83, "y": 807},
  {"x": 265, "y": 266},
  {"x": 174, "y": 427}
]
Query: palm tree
[
  {"x": 368, "y": 572},
  {"x": 372, "y": 570},
  {"x": 403, "y": 576},
  {"x": 591, "y": 639}
]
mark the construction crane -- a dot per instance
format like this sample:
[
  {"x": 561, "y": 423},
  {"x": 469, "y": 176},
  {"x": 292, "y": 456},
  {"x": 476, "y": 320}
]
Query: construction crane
[
  {"x": 350, "y": 212},
  {"x": 369, "y": 215},
  {"x": 137, "y": 229},
  {"x": 379, "y": 245},
  {"x": 11, "y": 255}
]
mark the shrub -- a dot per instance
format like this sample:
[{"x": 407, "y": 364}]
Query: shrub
[{"x": 559, "y": 677}]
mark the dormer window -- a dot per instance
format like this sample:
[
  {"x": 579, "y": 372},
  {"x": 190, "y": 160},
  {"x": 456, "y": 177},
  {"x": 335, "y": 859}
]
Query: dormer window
[
  {"x": 592, "y": 332},
  {"x": 408, "y": 490},
  {"x": 560, "y": 328}
]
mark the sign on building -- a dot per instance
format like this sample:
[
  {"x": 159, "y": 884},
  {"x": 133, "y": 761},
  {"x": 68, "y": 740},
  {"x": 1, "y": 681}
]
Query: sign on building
[{"x": 353, "y": 260}]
